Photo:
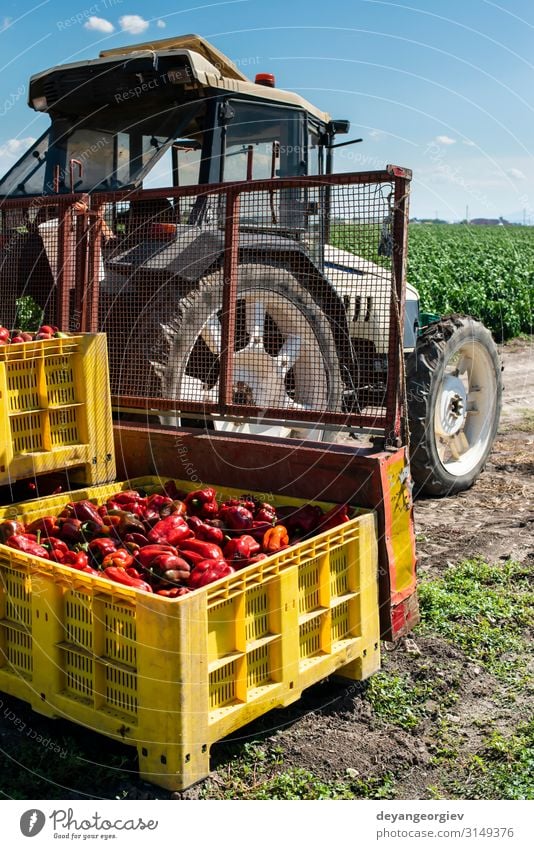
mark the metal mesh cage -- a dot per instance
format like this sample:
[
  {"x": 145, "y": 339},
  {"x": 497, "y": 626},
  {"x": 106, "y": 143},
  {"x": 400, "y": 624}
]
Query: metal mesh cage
[{"x": 274, "y": 301}]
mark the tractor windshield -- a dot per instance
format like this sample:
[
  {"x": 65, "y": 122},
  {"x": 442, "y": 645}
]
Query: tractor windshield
[{"x": 88, "y": 157}]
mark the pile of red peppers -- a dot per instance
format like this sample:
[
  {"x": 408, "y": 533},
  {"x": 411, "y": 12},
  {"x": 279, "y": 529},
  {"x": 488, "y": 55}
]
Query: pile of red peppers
[{"x": 169, "y": 542}]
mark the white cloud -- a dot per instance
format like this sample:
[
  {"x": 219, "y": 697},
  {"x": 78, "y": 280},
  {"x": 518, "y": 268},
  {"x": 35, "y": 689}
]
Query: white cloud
[
  {"x": 161, "y": 24},
  {"x": 15, "y": 147},
  {"x": 516, "y": 174},
  {"x": 134, "y": 24},
  {"x": 444, "y": 140},
  {"x": 98, "y": 24}
]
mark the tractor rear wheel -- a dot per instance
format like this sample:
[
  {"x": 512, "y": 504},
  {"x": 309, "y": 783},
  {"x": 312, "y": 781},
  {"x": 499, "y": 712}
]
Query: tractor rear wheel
[
  {"x": 285, "y": 354},
  {"x": 454, "y": 391}
]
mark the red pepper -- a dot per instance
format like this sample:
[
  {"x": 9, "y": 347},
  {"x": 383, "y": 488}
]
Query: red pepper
[
  {"x": 10, "y": 528},
  {"x": 204, "y": 532},
  {"x": 163, "y": 563},
  {"x": 338, "y": 515},
  {"x": 100, "y": 548},
  {"x": 236, "y": 518},
  {"x": 193, "y": 549},
  {"x": 265, "y": 513},
  {"x": 120, "y": 557},
  {"x": 241, "y": 549},
  {"x": 275, "y": 539},
  {"x": 57, "y": 549},
  {"x": 120, "y": 576},
  {"x": 77, "y": 559},
  {"x": 175, "y": 592},
  {"x": 27, "y": 543},
  {"x": 208, "y": 571},
  {"x": 126, "y": 497},
  {"x": 162, "y": 504},
  {"x": 47, "y": 525},
  {"x": 202, "y": 502},
  {"x": 257, "y": 558},
  {"x": 171, "y": 530},
  {"x": 146, "y": 555}
]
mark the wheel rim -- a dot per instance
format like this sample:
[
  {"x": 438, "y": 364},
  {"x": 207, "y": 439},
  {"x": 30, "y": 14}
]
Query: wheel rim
[
  {"x": 465, "y": 409},
  {"x": 278, "y": 361}
]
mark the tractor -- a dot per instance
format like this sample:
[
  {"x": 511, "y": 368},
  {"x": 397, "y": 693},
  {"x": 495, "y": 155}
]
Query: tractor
[{"x": 313, "y": 322}]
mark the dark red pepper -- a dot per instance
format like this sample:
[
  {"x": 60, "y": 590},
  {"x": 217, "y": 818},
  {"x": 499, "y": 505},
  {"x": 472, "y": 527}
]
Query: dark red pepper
[
  {"x": 71, "y": 530},
  {"x": 84, "y": 510},
  {"x": 138, "y": 539},
  {"x": 303, "y": 520},
  {"x": 126, "y": 522},
  {"x": 236, "y": 518},
  {"x": 259, "y": 529}
]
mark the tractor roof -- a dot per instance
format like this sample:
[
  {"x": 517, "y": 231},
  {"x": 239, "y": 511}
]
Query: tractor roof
[{"x": 209, "y": 67}]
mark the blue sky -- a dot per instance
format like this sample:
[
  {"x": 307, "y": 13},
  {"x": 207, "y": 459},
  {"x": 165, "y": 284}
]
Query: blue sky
[{"x": 443, "y": 88}]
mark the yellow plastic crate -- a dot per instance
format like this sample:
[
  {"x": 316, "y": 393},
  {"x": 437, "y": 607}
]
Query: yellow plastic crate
[
  {"x": 171, "y": 677},
  {"x": 55, "y": 409}
]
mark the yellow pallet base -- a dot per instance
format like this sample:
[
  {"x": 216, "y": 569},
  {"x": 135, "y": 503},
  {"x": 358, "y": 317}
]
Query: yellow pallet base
[{"x": 171, "y": 677}]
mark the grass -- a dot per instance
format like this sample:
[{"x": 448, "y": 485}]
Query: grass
[
  {"x": 503, "y": 768},
  {"x": 485, "y": 610}
]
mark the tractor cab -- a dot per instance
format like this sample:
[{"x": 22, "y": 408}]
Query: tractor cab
[{"x": 174, "y": 111}]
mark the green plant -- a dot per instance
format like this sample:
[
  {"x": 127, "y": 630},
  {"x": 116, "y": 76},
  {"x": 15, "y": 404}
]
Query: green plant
[{"x": 29, "y": 315}]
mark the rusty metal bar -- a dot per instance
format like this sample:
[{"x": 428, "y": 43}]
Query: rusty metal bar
[
  {"x": 231, "y": 248},
  {"x": 395, "y": 381}
]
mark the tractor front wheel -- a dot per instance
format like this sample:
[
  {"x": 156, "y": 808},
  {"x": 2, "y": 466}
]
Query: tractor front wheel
[{"x": 454, "y": 390}]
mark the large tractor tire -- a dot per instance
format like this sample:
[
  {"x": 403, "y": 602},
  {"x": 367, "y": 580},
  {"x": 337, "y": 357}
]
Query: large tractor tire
[
  {"x": 285, "y": 354},
  {"x": 454, "y": 391}
]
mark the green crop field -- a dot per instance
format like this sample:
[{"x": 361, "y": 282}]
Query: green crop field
[{"x": 487, "y": 272}]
